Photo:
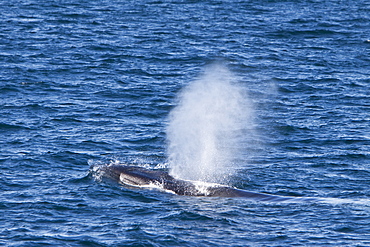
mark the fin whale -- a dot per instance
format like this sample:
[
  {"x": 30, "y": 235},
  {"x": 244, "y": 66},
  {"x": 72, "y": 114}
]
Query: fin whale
[{"x": 135, "y": 176}]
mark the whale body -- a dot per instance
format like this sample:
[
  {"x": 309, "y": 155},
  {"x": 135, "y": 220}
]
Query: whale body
[{"x": 134, "y": 176}]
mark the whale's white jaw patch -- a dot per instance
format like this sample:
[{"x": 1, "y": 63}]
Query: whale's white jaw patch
[{"x": 132, "y": 180}]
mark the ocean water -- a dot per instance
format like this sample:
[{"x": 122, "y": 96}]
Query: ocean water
[{"x": 95, "y": 82}]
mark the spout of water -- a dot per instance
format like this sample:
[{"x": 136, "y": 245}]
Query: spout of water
[{"x": 204, "y": 128}]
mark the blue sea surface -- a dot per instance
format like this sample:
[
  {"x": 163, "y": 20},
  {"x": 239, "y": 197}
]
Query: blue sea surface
[{"x": 86, "y": 82}]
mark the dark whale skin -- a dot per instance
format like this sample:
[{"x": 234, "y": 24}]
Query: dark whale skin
[{"x": 139, "y": 176}]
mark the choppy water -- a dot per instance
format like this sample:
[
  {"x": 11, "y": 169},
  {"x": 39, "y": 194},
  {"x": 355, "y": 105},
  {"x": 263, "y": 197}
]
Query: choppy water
[{"x": 95, "y": 81}]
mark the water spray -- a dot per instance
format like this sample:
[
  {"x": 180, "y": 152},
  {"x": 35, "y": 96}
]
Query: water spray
[{"x": 205, "y": 127}]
